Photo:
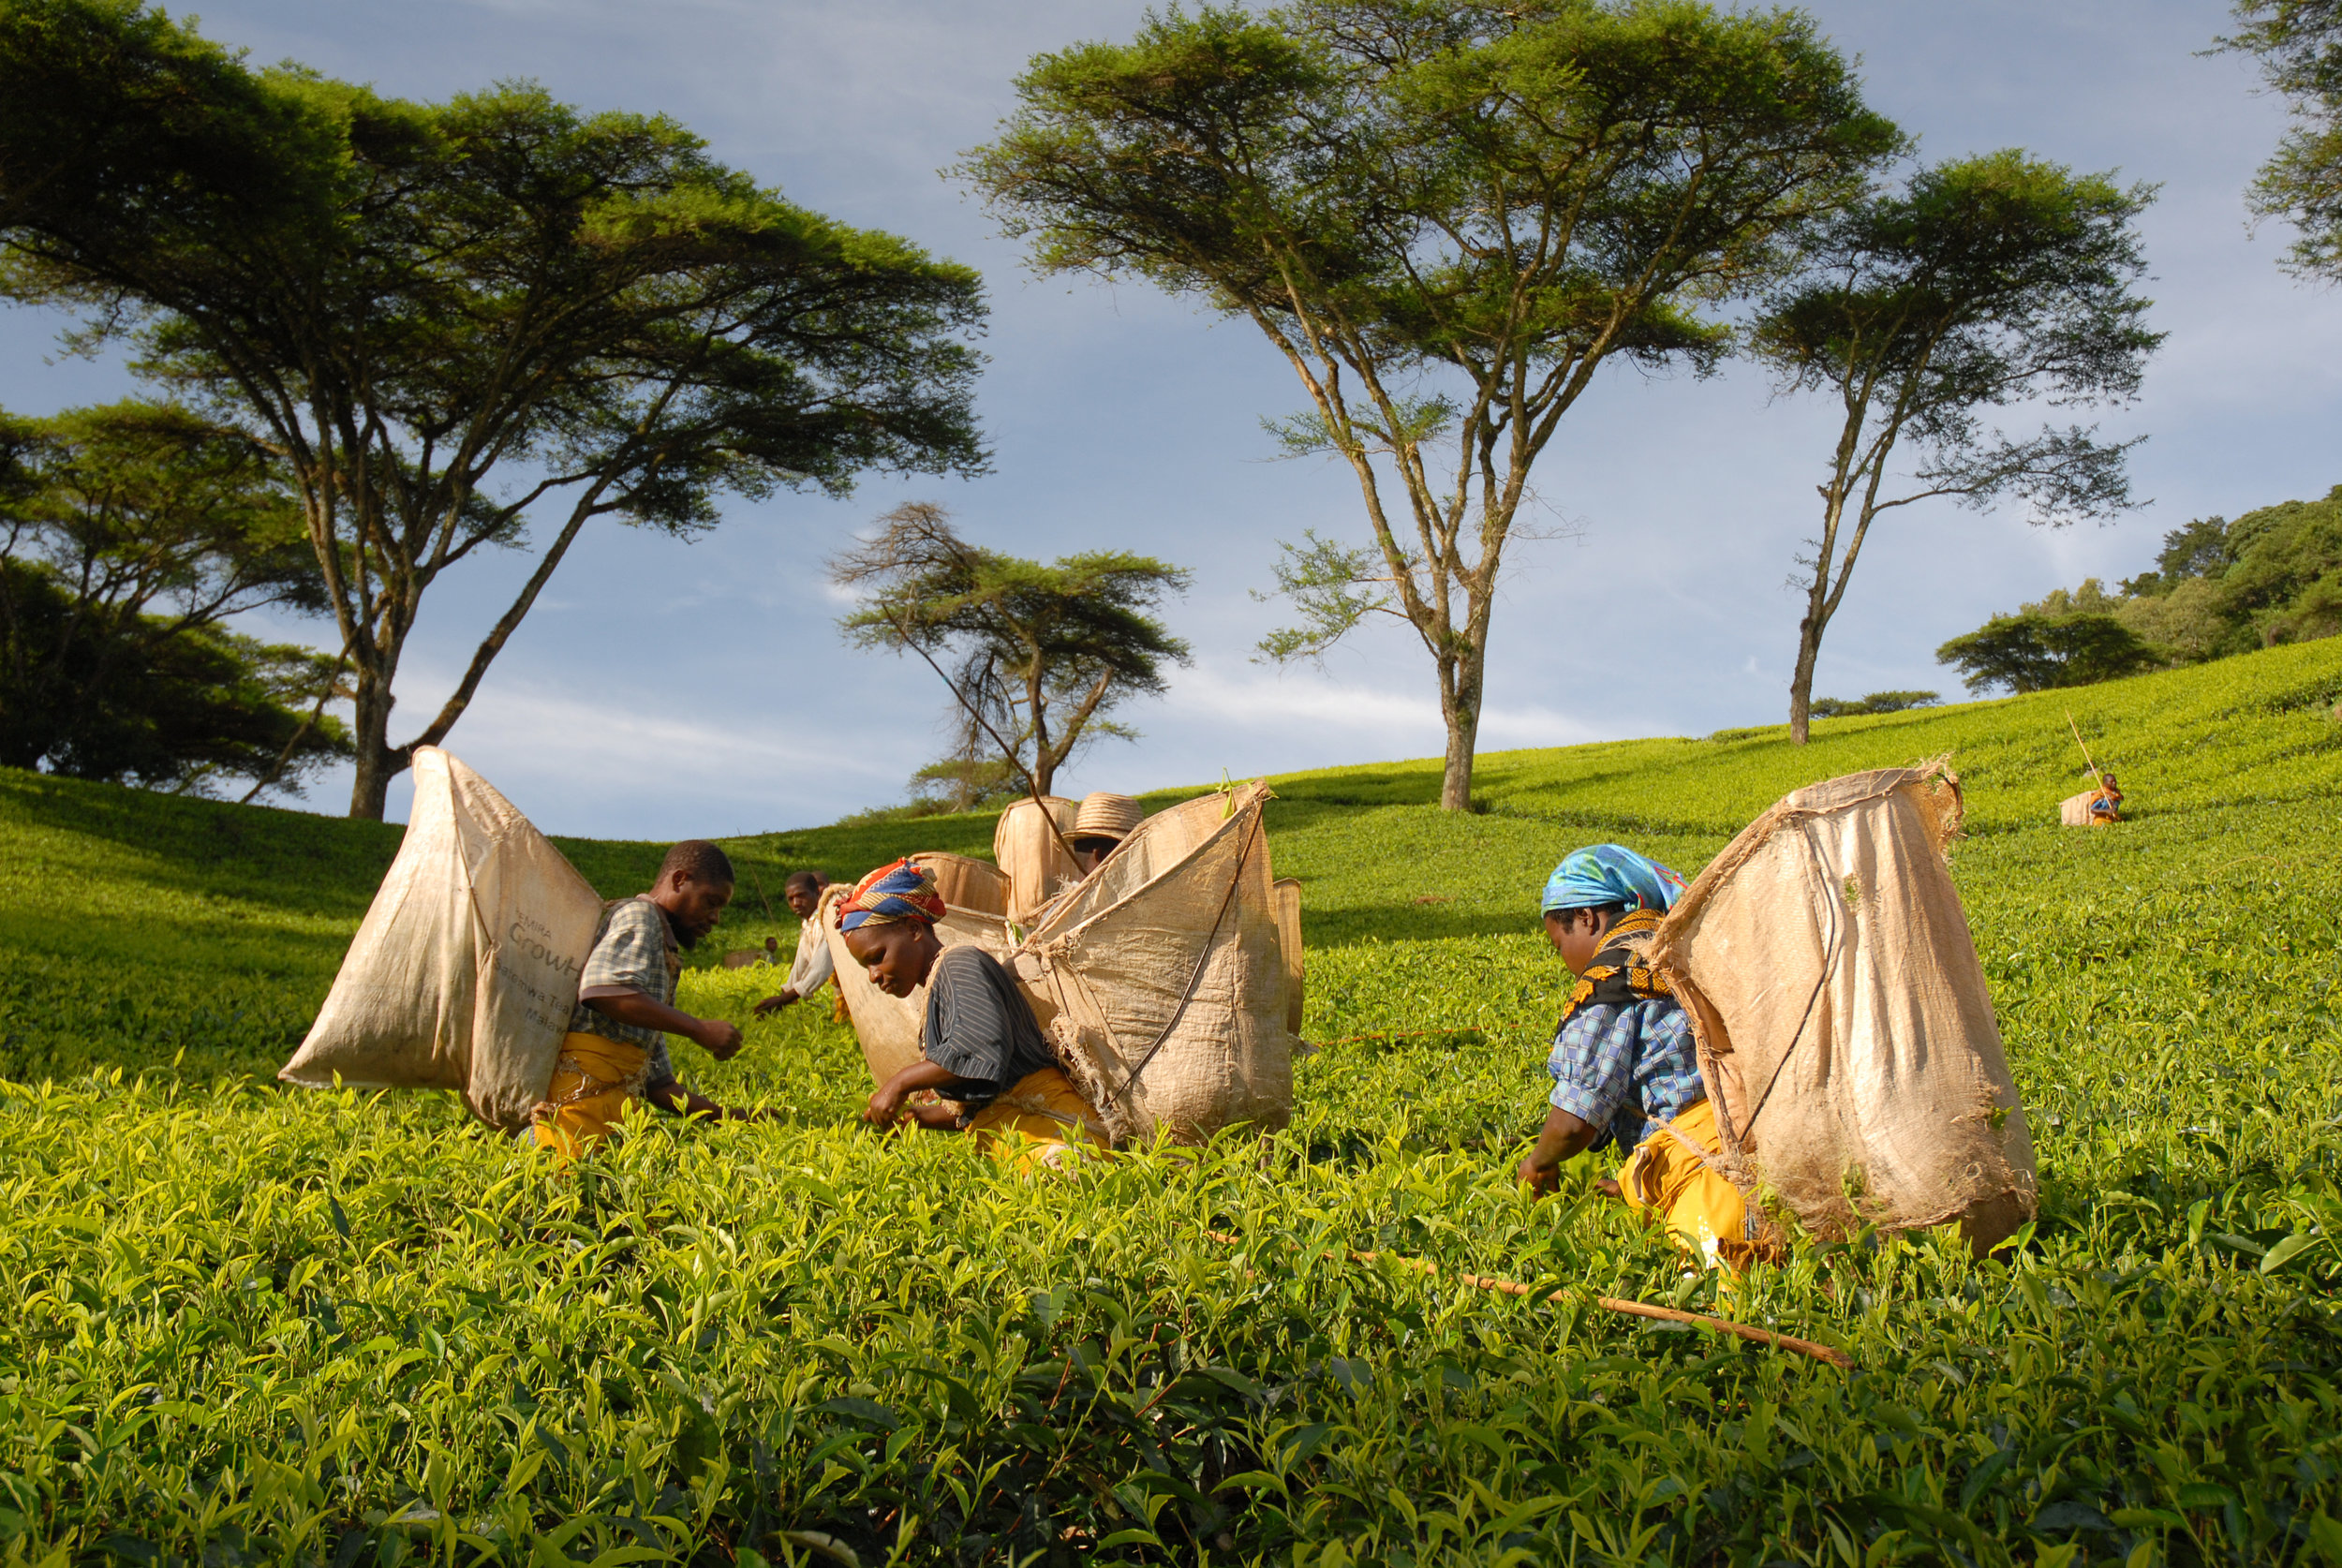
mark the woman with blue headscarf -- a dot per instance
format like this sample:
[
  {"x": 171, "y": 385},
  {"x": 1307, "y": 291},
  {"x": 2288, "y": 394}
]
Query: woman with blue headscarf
[{"x": 1624, "y": 1066}]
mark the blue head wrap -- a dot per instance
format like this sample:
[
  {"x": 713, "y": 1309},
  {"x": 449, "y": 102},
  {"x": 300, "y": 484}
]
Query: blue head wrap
[{"x": 1611, "y": 874}]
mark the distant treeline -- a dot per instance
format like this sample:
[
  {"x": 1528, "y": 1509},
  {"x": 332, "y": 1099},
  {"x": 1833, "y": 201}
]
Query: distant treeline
[{"x": 2218, "y": 589}]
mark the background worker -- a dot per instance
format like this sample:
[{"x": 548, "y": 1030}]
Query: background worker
[
  {"x": 1625, "y": 1067},
  {"x": 615, "y": 1051},
  {"x": 813, "y": 966},
  {"x": 2106, "y": 801},
  {"x": 979, "y": 1042},
  {"x": 1100, "y": 826}
]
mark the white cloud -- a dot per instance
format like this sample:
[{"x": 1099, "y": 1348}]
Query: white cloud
[{"x": 1298, "y": 702}]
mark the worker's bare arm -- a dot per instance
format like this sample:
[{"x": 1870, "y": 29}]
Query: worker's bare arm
[
  {"x": 721, "y": 1039},
  {"x": 774, "y": 1004},
  {"x": 1562, "y": 1136},
  {"x": 887, "y": 1106}
]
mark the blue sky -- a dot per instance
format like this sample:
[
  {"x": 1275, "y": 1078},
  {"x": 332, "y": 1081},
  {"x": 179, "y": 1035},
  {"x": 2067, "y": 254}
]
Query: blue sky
[{"x": 663, "y": 689}]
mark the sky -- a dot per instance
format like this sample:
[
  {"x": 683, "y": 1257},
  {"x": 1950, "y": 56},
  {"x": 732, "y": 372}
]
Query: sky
[{"x": 662, "y": 690}]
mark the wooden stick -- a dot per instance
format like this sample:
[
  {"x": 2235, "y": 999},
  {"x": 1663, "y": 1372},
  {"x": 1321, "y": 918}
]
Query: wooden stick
[
  {"x": 1611, "y": 1303},
  {"x": 2096, "y": 781},
  {"x": 1032, "y": 789}
]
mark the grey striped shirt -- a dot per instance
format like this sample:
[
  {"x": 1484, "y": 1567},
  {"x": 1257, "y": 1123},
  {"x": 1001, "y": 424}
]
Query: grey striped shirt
[{"x": 978, "y": 1027}]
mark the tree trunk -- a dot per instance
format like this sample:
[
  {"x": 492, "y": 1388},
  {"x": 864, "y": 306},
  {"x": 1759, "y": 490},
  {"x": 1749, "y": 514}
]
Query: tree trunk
[
  {"x": 1801, "y": 682},
  {"x": 1460, "y": 706},
  {"x": 378, "y": 762}
]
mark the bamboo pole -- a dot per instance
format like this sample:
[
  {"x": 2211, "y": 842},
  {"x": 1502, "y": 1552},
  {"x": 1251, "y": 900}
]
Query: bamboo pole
[{"x": 2097, "y": 779}]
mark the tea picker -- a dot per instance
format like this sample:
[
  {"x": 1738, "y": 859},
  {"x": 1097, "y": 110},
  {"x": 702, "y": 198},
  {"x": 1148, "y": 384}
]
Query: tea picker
[
  {"x": 489, "y": 966},
  {"x": 2099, "y": 805},
  {"x": 980, "y": 1045},
  {"x": 615, "y": 1052},
  {"x": 1624, "y": 1063},
  {"x": 811, "y": 966}
]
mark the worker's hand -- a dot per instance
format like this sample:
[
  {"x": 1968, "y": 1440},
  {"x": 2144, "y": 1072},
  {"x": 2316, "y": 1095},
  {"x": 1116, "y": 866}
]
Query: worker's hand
[
  {"x": 774, "y": 1004},
  {"x": 885, "y": 1107},
  {"x": 1541, "y": 1180},
  {"x": 722, "y": 1039},
  {"x": 935, "y": 1117}
]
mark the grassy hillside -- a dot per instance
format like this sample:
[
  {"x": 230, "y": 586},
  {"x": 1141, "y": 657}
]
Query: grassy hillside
[{"x": 242, "y": 1325}]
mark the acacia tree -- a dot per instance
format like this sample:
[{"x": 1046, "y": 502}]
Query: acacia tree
[
  {"x": 449, "y": 320},
  {"x": 2299, "y": 45},
  {"x": 129, "y": 535},
  {"x": 1040, "y": 655},
  {"x": 1986, "y": 281},
  {"x": 1446, "y": 216}
]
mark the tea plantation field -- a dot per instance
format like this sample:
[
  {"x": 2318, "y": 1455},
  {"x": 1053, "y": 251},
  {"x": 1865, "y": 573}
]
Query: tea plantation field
[{"x": 241, "y": 1325}]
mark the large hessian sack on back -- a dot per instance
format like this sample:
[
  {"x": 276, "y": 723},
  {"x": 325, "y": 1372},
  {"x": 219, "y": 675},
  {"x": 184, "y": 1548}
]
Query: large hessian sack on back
[
  {"x": 1038, "y": 866},
  {"x": 464, "y": 974},
  {"x": 1162, "y": 980},
  {"x": 965, "y": 882},
  {"x": 1844, "y": 1025},
  {"x": 888, "y": 1027},
  {"x": 2075, "y": 810}
]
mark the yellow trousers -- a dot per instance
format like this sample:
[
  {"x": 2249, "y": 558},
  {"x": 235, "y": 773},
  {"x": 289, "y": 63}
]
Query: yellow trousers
[
  {"x": 593, "y": 1083},
  {"x": 1700, "y": 1207},
  {"x": 1057, "y": 1127}
]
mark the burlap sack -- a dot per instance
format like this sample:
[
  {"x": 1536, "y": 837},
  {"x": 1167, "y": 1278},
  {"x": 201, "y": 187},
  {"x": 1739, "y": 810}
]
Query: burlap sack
[
  {"x": 1038, "y": 866},
  {"x": 2075, "y": 810},
  {"x": 888, "y": 1027},
  {"x": 1288, "y": 891},
  {"x": 463, "y": 973},
  {"x": 966, "y": 883},
  {"x": 1161, "y": 979},
  {"x": 1844, "y": 1027}
]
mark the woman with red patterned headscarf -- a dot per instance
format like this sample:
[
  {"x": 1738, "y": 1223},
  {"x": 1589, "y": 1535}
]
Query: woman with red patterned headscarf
[{"x": 979, "y": 1042}]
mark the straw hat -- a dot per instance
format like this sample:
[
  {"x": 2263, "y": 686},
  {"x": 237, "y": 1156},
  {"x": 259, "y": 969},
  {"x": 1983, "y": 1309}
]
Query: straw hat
[{"x": 1106, "y": 816}]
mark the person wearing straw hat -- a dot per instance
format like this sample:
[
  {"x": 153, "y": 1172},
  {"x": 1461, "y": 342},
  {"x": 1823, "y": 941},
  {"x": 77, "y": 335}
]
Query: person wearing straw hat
[
  {"x": 1100, "y": 826},
  {"x": 979, "y": 1042},
  {"x": 1624, "y": 1065}
]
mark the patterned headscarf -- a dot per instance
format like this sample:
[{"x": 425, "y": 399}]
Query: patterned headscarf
[
  {"x": 1611, "y": 874},
  {"x": 891, "y": 893}
]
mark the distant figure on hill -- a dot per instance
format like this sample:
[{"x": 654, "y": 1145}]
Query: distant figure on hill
[
  {"x": 1100, "y": 826},
  {"x": 2106, "y": 801},
  {"x": 1624, "y": 1066},
  {"x": 979, "y": 1041},
  {"x": 813, "y": 966},
  {"x": 615, "y": 1052}
]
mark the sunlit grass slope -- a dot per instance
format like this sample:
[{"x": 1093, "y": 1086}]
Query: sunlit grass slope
[{"x": 239, "y": 1324}]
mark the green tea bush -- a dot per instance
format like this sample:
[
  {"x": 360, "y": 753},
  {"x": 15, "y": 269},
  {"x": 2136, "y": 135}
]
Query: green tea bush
[{"x": 240, "y": 1325}]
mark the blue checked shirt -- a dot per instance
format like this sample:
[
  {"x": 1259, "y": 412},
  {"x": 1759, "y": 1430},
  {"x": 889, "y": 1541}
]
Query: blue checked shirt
[{"x": 1619, "y": 1068}]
